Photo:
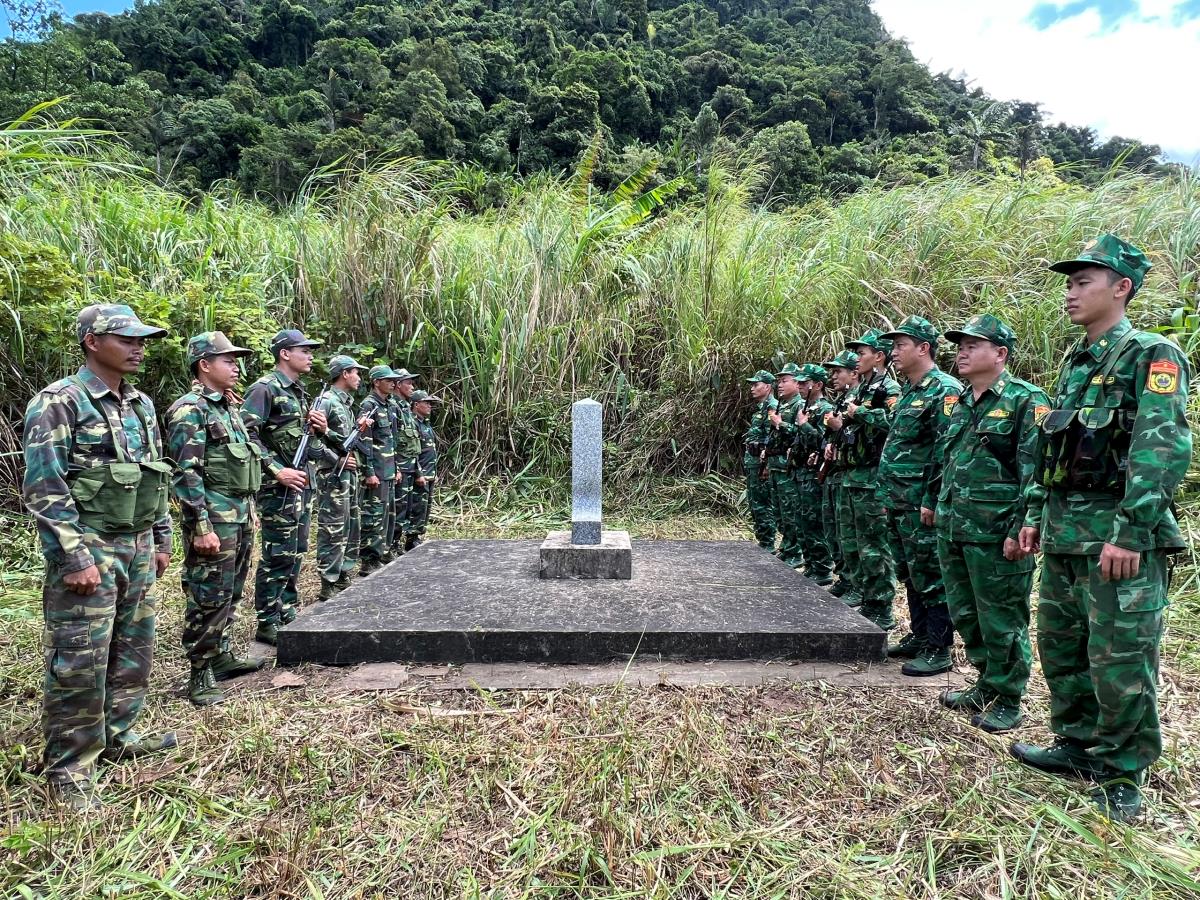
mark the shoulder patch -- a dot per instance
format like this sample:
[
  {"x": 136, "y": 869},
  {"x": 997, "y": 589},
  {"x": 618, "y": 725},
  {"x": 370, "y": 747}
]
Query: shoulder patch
[
  {"x": 1164, "y": 377},
  {"x": 948, "y": 404},
  {"x": 1040, "y": 412},
  {"x": 891, "y": 402}
]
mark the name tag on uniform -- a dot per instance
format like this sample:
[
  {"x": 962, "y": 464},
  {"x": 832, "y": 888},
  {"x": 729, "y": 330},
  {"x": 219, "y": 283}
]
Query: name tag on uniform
[
  {"x": 998, "y": 414},
  {"x": 917, "y": 403}
]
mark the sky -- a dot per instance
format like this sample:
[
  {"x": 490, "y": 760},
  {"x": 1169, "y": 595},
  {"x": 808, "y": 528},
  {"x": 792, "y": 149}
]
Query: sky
[{"x": 1124, "y": 67}]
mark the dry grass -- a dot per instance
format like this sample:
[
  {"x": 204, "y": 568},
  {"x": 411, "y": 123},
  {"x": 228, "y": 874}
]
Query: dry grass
[{"x": 782, "y": 791}]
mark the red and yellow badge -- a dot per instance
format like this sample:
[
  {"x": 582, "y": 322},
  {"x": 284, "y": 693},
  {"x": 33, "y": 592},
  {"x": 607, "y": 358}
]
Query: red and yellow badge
[
  {"x": 1039, "y": 413},
  {"x": 891, "y": 401},
  {"x": 948, "y": 404},
  {"x": 1164, "y": 377}
]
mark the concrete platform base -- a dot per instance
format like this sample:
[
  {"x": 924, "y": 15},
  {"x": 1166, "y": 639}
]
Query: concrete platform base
[
  {"x": 484, "y": 602},
  {"x": 611, "y": 558}
]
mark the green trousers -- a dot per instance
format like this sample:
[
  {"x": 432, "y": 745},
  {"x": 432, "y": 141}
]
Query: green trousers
[
  {"x": 378, "y": 522},
  {"x": 286, "y": 516},
  {"x": 762, "y": 506},
  {"x": 863, "y": 530},
  {"x": 988, "y": 597},
  {"x": 785, "y": 494},
  {"x": 1098, "y": 644},
  {"x": 829, "y": 519},
  {"x": 337, "y": 524},
  {"x": 213, "y": 586},
  {"x": 814, "y": 543}
]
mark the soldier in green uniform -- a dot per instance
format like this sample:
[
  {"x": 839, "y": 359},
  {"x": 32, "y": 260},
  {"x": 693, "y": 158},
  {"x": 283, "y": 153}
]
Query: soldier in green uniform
[
  {"x": 1116, "y": 445},
  {"x": 337, "y": 482},
  {"x": 379, "y": 486},
  {"x": 96, "y": 483},
  {"x": 905, "y": 476},
  {"x": 219, "y": 473},
  {"x": 843, "y": 379},
  {"x": 275, "y": 412},
  {"x": 862, "y": 521},
  {"x": 805, "y": 458},
  {"x": 421, "y": 503},
  {"x": 984, "y": 467},
  {"x": 781, "y": 435},
  {"x": 408, "y": 451},
  {"x": 754, "y": 459}
]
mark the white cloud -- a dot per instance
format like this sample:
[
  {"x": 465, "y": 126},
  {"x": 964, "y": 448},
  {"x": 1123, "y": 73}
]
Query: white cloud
[{"x": 1133, "y": 80}]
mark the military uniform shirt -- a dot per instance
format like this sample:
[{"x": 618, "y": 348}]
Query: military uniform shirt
[
  {"x": 408, "y": 440},
  {"x": 274, "y": 413},
  {"x": 338, "y": 407},
  {"x": 70, "y": 427},
  {"x": 917, "y": 419},
  {"x": 380, "y": 436},
  {"x": 872, "y": 422},
  {"x": 760, "y": 425},
  {"x": 781, "y": 438},
  {"x": 427, "y": 461},
  {"x": 193, "y": 420}
]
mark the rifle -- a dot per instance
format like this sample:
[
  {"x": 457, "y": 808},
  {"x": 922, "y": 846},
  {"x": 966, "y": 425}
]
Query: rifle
[
  {"x": 300, "y": 460},
  {"x": 796, "y": 441},
  {"x": 353, "y": 443},
  {"x": 832, "y": 439}
]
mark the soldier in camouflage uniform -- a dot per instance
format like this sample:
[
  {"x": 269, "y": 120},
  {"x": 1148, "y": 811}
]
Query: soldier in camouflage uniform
[
  {"x": 905, "y": 484},
  {"x": 1115, "y": 446},
  {"x": 984, "y": 467},
  {"x": 218, "y": 475},
  {"x": 339, "y": 497},
  {"x": 862, "y": 521},
  {"x": 754, "y": 462},
  {"x": 806, "y": 452},
  {"x": 96, "y": 483},
  {"x": 781, "y": 435},
  {"x": 843, "y": 378},
  {"x": 408, "y": 451},
  {"x": 379, "y": 486},
  {"x": 421, "y": 502},
  {"x": 275, "y": 412}
]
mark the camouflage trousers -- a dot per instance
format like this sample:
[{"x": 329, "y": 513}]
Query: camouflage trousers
[
  {"x": 829, "y": 520},
  {"x": 1098, "y": 643},
  {"x": 378, "y": 524},
  {"x": 762, "y": 506},
  {"x": 213, "y": 586},
  {"x": 988, "y": 597},
  {"x": 785, "y": 495},
  {"x": 406, "y": 483},
  {"x": 915, "y": 553},
  {"x": 286, "y": 519},
  {"x": 420, "y": 504},
  {"x": 814, "y": 544},
  {"x": 337, "y": 524},
  {"x": 98, "y": 650},
  {"x": 863, "y": 531}
]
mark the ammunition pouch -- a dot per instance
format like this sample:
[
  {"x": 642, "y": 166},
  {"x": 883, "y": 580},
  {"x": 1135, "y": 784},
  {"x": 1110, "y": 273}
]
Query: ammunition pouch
[
  {"x": 122, "y": 497},
  {"x": 232, "y": 469},
  {"x": 1086, "y": 449}
]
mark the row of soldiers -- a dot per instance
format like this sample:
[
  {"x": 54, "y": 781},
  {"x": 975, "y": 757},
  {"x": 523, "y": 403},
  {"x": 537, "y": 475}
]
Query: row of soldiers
[
  {"x": 952, "y": 489},
  {"x": 98, "y": 478}
]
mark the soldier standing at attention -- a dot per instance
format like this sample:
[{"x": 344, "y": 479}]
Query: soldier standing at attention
[
  {"x": 986, "y": 457},
  {"x": 843, "y": 378},
  {"x": 379, "y": 487},
  {"x": 408, "y": 451},
  {"x": 275, "y": 413},
  {"x": 906, "y": 471},
  {"x": 781, "y": 436},
  {"x": 97, "y": 484},
  {"x": 219, "y": 473},
  {"x": 337, "y": 481},
  {"x": 806, "y": 451},
  {"x": 754, "y": 463},
  {"x": 422, "y": 497},
  {"x": 862, "y": 520},
  {"x": 1116, "y": 445}
]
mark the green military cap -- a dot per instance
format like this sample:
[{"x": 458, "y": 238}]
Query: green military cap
[
  {"x": 381, "y": 373},
  {"x": 763, "y": 376},
  {"x": 874, "y": 340},
  {"x": 113, "y": 318},
  {"x": 916, "y": 328},
  {"x": 1109, "y": 251},
  {"x": 343, "y": 363},
  {"x": 212, "y": 343},
  {"x": 789, "y": 369},
  {"x": 291, "y": 337},
  {"x": 847, "y": 359},
  {"x": 405, "y": 375},
  {"x": 987, "y": 327},
  {"x": 813, "y": 372},
  {"x": 419, "y": 396}
]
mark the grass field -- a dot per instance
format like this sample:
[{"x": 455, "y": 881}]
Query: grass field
[{"x": 789, "y": 790}]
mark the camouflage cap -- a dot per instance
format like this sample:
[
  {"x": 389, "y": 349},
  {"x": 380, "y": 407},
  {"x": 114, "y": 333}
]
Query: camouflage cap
[
  {"x": 381, "y": 373},
  {"x": 987, "y": 327},
  {"x": 873, "y": 340},
  {"x": 847, "y": 359},
  {"x": 1109, "y": 251},
  {"x": 789, "y": 369},
  {"x": 291, "y": 337},
  {"x": 342, "y": 363},
  {"x": 813, "y": 372},
  {"x": 423, "y": 397},
  {"x": 915, "y": 327},
  {"x": 113, "y": 318},
  {"x": 212, "y": 343},
  {"x": 762, "y": 376},
  {"x": 405, "y": 375}
]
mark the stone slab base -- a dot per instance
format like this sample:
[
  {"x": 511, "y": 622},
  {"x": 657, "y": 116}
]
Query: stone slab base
[{"x": 611, "y": 558}]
